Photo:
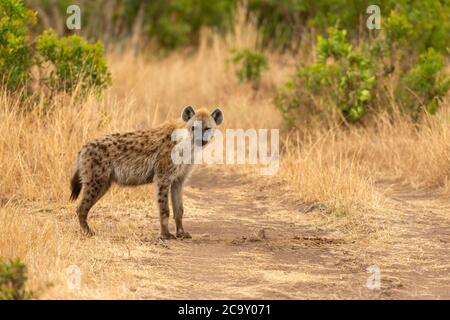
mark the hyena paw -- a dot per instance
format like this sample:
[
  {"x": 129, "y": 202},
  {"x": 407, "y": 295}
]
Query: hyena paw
[
  {"x": 183, "y": 235},
  {"x": 88, "y": 232},
  {"x": 166, "y": 236}
]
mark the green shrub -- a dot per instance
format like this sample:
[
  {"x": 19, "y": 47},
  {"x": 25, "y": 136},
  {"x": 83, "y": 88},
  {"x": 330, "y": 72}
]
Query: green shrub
[
  {"x": 398, "y": 30},
  {"x": 12, "y": 281},
  {"x": 15, "y": 50},
  {"x": 426, "y": 83},
  {"x": 250, "y": 64},
  {"x": 74, "y": 61},
  {"x": 341, "y": 77},
  {"x": 431, "y": 22}
]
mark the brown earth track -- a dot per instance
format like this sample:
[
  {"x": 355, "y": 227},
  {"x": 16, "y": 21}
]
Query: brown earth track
[{"x": 251, "y": 240}]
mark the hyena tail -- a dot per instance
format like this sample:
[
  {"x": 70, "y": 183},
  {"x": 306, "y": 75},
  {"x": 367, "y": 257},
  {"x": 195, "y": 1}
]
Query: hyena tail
[{"x": 75, "y": 185}]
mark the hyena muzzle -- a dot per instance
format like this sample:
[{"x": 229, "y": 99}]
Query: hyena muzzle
[{"x": 141, "y": 157}]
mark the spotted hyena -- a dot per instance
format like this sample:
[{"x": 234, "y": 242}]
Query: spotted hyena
[{"x": 141, "y": 157}]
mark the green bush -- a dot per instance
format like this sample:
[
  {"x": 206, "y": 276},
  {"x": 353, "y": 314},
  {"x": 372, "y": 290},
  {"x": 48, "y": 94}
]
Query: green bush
[
  {"x": 279, "y": 21},
  {"x": 398, "y": 30},
  {"x": 74, "y": 61},
  {"x": 341, "y": 77},
  {"x": 426, "y": 83},
  {"x": 16, "y": 55},
  {"x": 250, "y": 64},
  {"x": 354, "y": 78},
  {"x": 430, "y": 21},
  {"x": 12, "y": 281}
]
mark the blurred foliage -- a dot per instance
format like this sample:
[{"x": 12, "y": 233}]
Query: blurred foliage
[
  {"x": 178, "y": 22},
  {"x": 398, "y": 30},
  {"x": 74, "y": 61},
  {"x": 427, "y": 82},
  {"x": 15, "y": 52},
  {"x": 348, "y": 72},
  {"x": 250, "y": 64},
  {"x": 342, "y": 76},
  {"x": 12, "y": 281},
  {"x": 430, "y": 21},
  {"x": 282, "y": 24},
  {"x": 171, "y": 23},
  {"x": 351, "y": 79}
]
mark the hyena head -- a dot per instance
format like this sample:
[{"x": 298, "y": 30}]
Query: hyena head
[{"x": 201, "y": 124}]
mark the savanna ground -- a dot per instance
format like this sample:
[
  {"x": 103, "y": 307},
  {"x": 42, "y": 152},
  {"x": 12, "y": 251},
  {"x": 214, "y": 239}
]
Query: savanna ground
[{"x": 342, "y": 200}]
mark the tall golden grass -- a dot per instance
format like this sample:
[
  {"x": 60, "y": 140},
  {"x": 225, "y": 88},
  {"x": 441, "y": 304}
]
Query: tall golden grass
[
  {"x": 339, "y": 166},
  {"x": 39, "y": 142},
  {"x": 342, "y": 165}
]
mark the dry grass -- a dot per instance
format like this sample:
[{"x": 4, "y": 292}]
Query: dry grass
[
  {"x": 347, "y": 163},
  {"x": 338, "y": 167}
]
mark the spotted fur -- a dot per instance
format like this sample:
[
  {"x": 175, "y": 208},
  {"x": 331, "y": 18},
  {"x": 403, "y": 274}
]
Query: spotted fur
[{"x": 137, "y": 158}]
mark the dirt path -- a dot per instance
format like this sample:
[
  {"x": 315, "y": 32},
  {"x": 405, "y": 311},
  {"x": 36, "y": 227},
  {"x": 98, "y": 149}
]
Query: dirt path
[
  {"x": 419, "y": 249},
  {"x": 251, "y": 240}
]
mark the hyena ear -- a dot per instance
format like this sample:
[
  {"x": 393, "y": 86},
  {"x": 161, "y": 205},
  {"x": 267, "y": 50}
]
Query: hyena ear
[
  {"x": 187, "y": 113},
  {"x": 217, "y": 115}
]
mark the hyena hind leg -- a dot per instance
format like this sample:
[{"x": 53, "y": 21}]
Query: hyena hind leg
[{"x": 92, "y": 192}]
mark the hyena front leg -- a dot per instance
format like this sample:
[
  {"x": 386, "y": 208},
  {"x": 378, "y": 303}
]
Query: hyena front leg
[
  {"x": 163, "y": 203},
  {"x": 176, "y": 193}
]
